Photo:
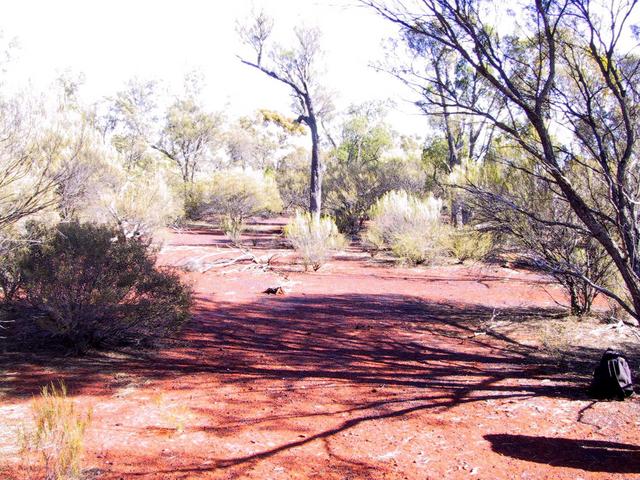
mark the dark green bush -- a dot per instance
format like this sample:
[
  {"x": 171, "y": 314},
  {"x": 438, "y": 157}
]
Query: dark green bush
[
  {"x": 11, "y": 254},
  {"x": 88, "y": 286}
]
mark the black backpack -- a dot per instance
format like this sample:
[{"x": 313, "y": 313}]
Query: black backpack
[{"x": 612, "y": 377}]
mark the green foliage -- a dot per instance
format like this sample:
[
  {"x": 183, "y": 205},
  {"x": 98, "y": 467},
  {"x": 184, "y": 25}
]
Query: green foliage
[
  {"x": 240, "y": 193},
  {"x": 108, "y": 183},
  {"x": 468, "y": 244},
  {"x": 292, "y": 176},
  {"x": 407, "y": 225},
  {"x": 254, "y": 142},
  {"x": 418, "y": 249},
  {"x": 186, "y": 121},
  {"x": 87, "y": 285},
  {"x": 139, "y": 202},
  {"x": 188, "y": 138},
  {"x": 232, "y": 227},
  {"x": 313, "y": 238},
  {"x": 57, "y": 437},
  {"x": 435, "y": 162},
  {"x": 525, "y": 213},
  {"x": 360, "y": 171},
  {"x": 195, "y": 198},
  {"x": 129, "y": 121},
  {"x": 285, "y": 123}
]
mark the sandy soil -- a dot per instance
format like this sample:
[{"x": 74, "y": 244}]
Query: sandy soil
[{"x": 362, "y": 370}]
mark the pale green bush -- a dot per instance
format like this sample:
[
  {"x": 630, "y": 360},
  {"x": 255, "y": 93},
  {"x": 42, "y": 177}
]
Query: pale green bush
[
  {"x": 419, "y": 249},
  {"x": 236, "y": 194},
  {"x": 313, "y": 238},
  {"x": 139, "y": 203},
  {"x": 408, "y": 226},
  {"x": 467, "y": 244},
  {"x": 292, "y": 175}
]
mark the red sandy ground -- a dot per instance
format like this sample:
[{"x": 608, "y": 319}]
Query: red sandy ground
[{"x": 361, "y": 371}]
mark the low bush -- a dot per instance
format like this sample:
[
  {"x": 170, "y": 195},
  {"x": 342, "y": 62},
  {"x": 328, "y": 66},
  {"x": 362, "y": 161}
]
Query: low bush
[
  {"x": 408, "y": 226},
  {"x": 467, "y": 244},
  {"x": 313, "y": 238},
  {"x": 417, "y": 249},
  {"x": 236, "y": 194},
  {"x": 292, "y": 175},
  {"x": 139, "y": 205},
  {"x": 57, "y": 435},
  {"x": 11, "y": 252},
  {"x": 88, "y": 285}
]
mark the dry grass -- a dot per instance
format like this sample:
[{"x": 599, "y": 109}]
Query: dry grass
[
  {"x": 556, "y": 340},
  {"x": 55, "y": 441},
  {"x": 172, "y": 417}
]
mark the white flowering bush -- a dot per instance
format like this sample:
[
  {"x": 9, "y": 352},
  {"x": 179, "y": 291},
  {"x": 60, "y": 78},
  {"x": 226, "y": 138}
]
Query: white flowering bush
[
  {"x": 407, "y": 225},
  {"x": 314, "y": 238}
]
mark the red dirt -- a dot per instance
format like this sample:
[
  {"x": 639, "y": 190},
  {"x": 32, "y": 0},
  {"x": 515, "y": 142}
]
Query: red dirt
[{"x": 361, "y": 371}]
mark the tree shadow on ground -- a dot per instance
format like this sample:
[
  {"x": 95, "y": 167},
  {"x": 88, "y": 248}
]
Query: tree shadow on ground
[
  {"x": 589, "y": 455},
  {"x": 434, "y": 356},
  {"x": 365, "y": 339}
]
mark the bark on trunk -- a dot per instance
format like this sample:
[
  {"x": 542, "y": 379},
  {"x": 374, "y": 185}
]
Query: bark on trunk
[{"x": 315, "y": 190}]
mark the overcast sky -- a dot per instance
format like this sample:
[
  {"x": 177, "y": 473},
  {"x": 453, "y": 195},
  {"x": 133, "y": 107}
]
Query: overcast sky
[{"x": 113, "y": 41}]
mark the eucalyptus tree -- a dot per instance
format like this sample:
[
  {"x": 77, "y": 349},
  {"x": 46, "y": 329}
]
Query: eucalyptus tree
[
  {"x": 260, "y": 141},
  {"x": 189, "y": 135},
  {"x": 364, "y": 166},
  {"x": 567, "y": 81},
  {"x": 466, "y": 138},
  {"x": 130, "y": 120},
  {"x": 297, "y": 68}
]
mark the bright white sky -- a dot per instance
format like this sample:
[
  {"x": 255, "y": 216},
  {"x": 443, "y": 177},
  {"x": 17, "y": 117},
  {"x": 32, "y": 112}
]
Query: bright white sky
[{"x": 113, "y": 41}]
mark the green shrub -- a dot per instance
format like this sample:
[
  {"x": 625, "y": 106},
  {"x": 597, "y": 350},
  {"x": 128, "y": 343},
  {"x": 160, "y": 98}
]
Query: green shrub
[
  {"x": 12, "y": 251},
  {"x": 467, "y": 244},
  {"x": 89, "y": 285},
  {"x": 417, "y": 249},
  {"x": 57, "y": 437},
  {"x": 292, "y": 175},
  {"x": 313, "y": 238},
  {"x": 364, "y": 166},
  {"x": 141, "y": 204},
  {"x": 408, "y": 226},
  {"x": 233, "y": 227},
  {"x": 236, "y": 194},
  {"x": 194, "y": 199}
]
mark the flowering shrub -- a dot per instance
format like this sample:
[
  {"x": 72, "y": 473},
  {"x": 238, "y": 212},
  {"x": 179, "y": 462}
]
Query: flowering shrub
[{"x": 313, "y": 238}]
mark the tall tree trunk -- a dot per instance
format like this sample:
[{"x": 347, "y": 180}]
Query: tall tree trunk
[{"x": 315, "y": 190}]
